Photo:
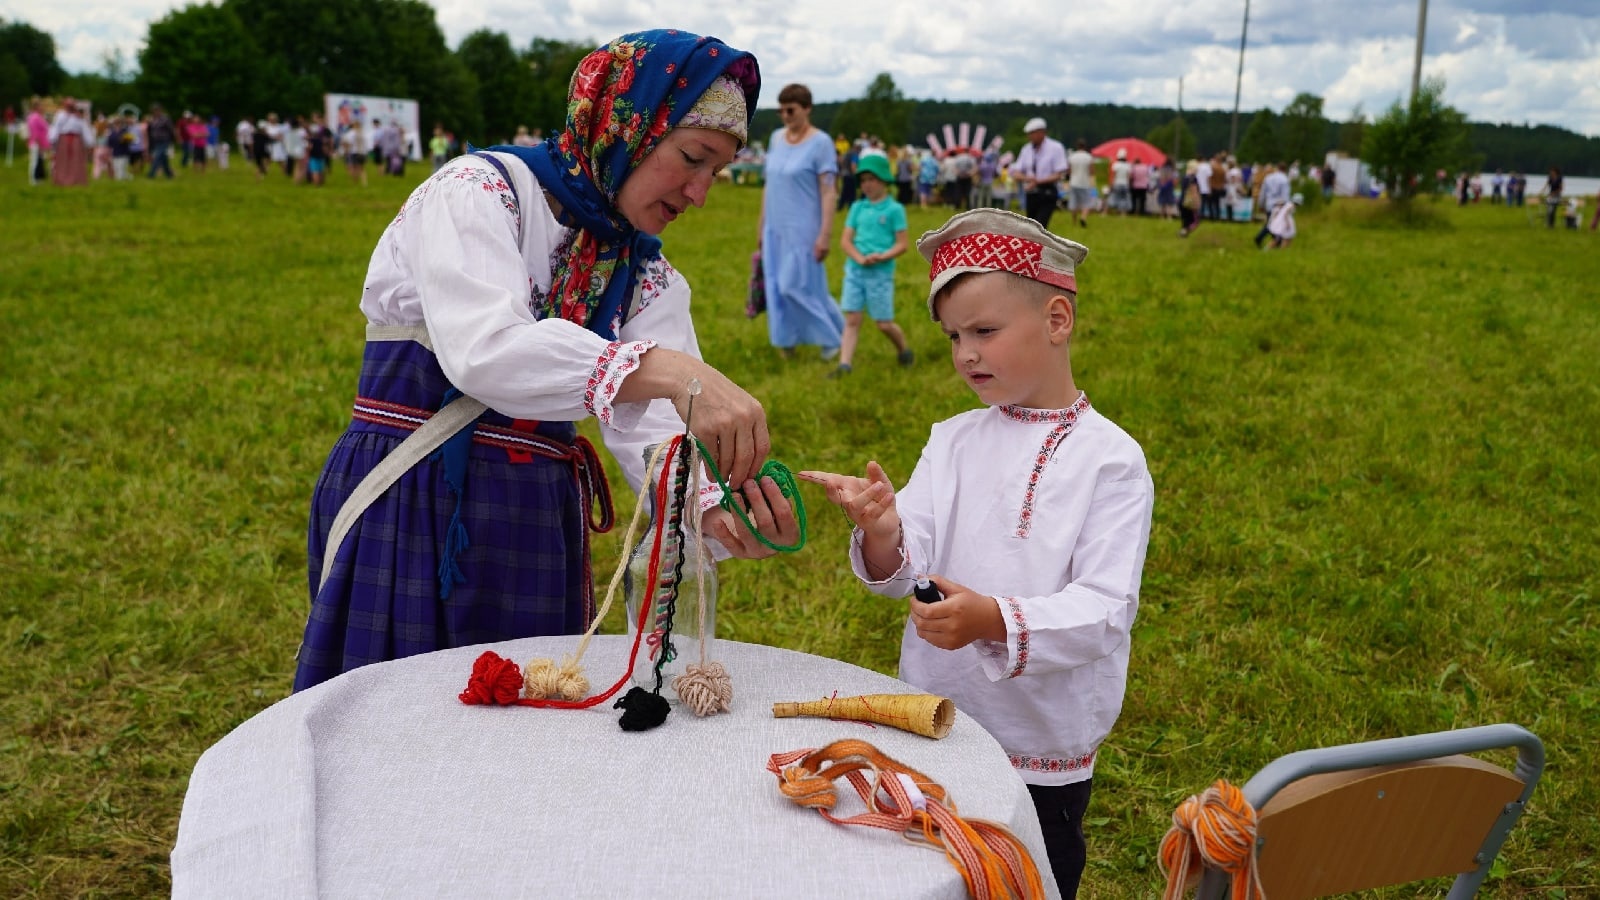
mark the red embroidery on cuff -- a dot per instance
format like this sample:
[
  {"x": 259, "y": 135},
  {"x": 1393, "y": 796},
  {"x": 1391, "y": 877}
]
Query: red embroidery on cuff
[
  {"x": 1022, "y": 636},
  {"x": 1051, "y": 763},
  {"x": 613, "y": 364}
]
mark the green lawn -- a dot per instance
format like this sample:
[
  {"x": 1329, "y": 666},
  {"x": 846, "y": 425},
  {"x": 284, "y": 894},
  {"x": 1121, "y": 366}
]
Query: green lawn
[{"x": 1371, "y": 455}]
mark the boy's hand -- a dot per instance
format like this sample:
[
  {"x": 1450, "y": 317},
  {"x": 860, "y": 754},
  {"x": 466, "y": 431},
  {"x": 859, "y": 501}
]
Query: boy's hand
[
  {"x": 869, "y": 501},
  {"x": 963, "y": 616}
]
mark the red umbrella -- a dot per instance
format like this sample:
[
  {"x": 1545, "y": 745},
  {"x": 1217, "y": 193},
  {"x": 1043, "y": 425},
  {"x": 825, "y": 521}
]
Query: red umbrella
[{"x": 1144, "y": 150}]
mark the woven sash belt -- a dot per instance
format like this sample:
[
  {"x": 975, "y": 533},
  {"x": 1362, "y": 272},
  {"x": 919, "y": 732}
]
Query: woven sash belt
[{"x": 429, "y": 431}]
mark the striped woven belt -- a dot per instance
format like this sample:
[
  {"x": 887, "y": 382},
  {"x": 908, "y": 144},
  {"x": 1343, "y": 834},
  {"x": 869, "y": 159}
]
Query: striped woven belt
[{"x": 521, "y": 444}]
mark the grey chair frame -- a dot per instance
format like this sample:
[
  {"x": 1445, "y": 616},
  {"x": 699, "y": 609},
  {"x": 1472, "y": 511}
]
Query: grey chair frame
[{"x": 1281, "y": 772}]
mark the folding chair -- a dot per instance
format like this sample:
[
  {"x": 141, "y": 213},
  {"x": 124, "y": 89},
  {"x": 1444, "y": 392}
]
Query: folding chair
[{"x": 1359, "y": 816}]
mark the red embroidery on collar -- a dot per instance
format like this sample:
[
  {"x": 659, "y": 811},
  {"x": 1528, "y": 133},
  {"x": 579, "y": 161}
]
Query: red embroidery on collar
[
  {"x": 1066, "y": 416},
  {"x": 1065, "y": 420}
]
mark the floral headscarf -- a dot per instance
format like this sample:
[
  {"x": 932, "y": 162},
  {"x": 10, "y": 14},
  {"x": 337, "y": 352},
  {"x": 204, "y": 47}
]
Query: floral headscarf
[{"x": 622, "y": 99}]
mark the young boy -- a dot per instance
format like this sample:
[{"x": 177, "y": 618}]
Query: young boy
[
  {"x": 874, "y": 234},
  {"x": 1031, "y": 516}
]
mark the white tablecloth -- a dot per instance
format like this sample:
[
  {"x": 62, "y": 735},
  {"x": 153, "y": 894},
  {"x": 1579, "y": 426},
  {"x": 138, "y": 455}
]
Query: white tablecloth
[{"x": 381, "y": 783}]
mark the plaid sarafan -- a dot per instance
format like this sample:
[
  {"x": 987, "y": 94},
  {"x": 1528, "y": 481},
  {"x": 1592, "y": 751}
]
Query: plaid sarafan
[
  {"x": 525, "y": 568},
  {"x": 1001, "y": 253}
]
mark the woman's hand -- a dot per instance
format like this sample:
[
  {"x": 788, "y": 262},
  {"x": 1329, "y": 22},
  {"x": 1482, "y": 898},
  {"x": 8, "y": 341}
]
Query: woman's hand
[
  {"x": 729, "y": 421},
  {"x": 820, "y": 249},
  {"x": 766, "y": 506}
]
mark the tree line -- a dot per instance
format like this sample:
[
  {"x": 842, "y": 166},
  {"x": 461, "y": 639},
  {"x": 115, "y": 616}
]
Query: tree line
[{"x": 243, "y": 58}]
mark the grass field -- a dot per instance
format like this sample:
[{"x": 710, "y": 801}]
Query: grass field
[{"x": 1375, "y": 494}]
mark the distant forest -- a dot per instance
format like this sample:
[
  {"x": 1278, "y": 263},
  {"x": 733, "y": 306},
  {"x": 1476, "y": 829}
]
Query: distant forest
[{"x": 1522, "y": 148}]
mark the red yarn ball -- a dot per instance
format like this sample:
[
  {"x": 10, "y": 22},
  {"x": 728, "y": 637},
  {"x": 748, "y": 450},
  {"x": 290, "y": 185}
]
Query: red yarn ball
[{"x": 495, "y": 680}]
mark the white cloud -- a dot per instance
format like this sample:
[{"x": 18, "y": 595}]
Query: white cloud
[{"x": 1504, "y": 60}]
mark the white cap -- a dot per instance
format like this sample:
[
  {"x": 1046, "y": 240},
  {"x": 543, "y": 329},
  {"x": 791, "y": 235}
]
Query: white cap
[
  {"x": 994, "y": 240},
  {"x": 1034, "y": 124}
]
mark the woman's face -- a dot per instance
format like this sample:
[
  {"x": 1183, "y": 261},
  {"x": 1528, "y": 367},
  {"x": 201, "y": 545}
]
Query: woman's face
[
  {"x": 676, "y": 175},
  {"x": 794, "y": 115}
]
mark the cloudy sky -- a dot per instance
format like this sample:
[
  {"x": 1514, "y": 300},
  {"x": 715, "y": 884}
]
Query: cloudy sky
[{"x": 1511, "y": 61}]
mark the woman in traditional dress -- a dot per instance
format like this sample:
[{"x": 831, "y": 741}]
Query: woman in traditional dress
[
  {"x": 796, "y": 229},
  {"x": 529, "y": 280},
  {"x": 71, "y": 135}
]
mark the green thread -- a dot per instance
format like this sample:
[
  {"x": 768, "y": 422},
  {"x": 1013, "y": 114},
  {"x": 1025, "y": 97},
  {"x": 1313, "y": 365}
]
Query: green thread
[{"x": 784, "y": 478}]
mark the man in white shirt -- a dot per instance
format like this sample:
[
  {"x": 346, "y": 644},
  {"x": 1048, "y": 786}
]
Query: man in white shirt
[
  {"x": 1038, "y": 171},
  {"x": 1081, "y": 165},
  {"x": 245, "y": 134},
  {"x": 1202, "y": 177}
]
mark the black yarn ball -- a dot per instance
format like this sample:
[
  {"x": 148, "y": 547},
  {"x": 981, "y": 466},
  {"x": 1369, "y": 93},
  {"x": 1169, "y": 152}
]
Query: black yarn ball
[{"x": 642, "y": 710}]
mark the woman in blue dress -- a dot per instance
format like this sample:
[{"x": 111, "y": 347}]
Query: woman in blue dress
[{"x": 797, "y": 229}]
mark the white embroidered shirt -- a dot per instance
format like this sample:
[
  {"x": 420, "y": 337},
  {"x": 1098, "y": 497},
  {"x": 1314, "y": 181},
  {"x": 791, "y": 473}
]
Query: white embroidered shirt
[
  {"x": 467, "y": 257},
  {"x": 1052, "y": 518}
]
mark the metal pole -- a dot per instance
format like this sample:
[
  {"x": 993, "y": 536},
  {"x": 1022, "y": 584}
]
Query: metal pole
[
  {"x": 1422, "y": 28},
  {"x": 1177, "y": 130},
  {"x": 1238, "y": 82}
]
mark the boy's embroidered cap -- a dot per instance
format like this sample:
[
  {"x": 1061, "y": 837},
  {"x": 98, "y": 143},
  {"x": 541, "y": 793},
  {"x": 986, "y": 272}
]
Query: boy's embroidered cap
[
  {"x": 1033, "y": 124},
  {"x": 994, "y": 240}
]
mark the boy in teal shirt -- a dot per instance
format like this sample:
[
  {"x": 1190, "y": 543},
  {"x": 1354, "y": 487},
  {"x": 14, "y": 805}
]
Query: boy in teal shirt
[{"x": 874, "y": 234}]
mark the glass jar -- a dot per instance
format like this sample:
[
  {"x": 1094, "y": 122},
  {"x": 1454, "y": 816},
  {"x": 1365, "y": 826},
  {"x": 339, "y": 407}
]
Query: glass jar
[{"x": 690, "y": 615}]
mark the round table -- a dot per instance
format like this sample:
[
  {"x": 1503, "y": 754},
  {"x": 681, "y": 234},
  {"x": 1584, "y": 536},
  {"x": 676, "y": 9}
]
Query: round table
[{"x": 381, "y": 783}]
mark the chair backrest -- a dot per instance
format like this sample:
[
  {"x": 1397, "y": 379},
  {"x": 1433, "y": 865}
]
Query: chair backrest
[{"x": 1359, "y": 816}]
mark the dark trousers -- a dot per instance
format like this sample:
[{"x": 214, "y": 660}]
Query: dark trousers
[
  {"x": 1211, "y": 205},
  {"x": 160, "y": 160},
  {"x": 1040, "y": 205},
  {"x": 1061, "y": 808}
]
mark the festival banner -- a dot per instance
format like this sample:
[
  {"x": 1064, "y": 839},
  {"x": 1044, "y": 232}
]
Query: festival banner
[{"x": 346, "y": 110}]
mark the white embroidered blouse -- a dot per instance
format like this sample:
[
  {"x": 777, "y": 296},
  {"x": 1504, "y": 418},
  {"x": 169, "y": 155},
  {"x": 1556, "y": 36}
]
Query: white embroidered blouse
[
  {"x": 467, "y": 257},
  {"x": 1049, "y": 512}
]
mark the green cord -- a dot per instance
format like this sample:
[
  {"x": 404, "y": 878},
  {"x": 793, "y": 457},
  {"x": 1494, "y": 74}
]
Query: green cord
[{"x": 784, "y": 478}]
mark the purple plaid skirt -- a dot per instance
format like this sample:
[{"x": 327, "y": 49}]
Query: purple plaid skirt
[{"x": 524, "y": 571}]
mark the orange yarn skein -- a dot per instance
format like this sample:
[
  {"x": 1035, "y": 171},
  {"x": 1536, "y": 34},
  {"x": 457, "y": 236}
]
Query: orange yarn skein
[{"x": 1215, "y": 828}]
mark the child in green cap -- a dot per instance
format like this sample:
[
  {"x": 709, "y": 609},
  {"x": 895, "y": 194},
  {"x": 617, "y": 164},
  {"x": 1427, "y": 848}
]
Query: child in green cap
[{"x": 874, "y": 234}]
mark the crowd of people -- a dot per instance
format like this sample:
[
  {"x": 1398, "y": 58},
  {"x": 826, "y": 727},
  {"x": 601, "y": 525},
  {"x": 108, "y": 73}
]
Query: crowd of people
[
  {"x": 810, "y": 177},
  {"x": 1044, "y": 177},
  {"x": 1512, "y": 190},
  {"x": 68, "y": 145}
]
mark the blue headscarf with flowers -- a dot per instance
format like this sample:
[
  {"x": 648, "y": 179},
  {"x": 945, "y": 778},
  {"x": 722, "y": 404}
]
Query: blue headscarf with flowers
[{"x": 622, "y": 99}]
